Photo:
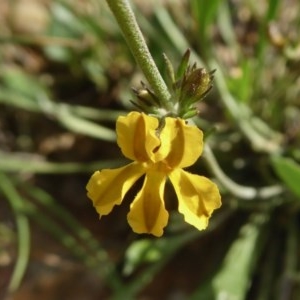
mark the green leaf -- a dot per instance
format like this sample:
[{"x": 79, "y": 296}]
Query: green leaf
[
  {"x": 140, "y": 252},
  {"x": 82, "y": 126},
  {"x": 288, "y": 171},
  {"x": 169, "y": 69},
  {"x": 16, "y": 201},
  {"x": 15, "y": 79},
  {"x": 31, "y": 163},
  {"x": 232, "y": 280},
  {"x": 153, "y": 250},
  {"x": 183, "y": 64}
]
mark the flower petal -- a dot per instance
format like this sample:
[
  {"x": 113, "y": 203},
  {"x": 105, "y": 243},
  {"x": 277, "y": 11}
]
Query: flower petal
[
  {"x": 197, "y": 196},
  {"x": 147, "y": 211},
  {"x": 137, "y": 136},
  {"x": 107, "y": 188},
  {"x": 184, "y": 143}
]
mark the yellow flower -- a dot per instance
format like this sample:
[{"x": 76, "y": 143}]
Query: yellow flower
[{"x": 158, "y": 154}]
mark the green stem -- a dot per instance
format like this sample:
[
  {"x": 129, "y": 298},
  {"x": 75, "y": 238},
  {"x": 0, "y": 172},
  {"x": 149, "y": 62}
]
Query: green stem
[
  {"x": 240, "y": 191},
  {"x": 23, "y": 229},
  {"x": 136, "y": 42}
]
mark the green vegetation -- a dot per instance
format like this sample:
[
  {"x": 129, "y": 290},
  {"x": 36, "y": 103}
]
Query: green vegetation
[{"x": 66, "y": 74}]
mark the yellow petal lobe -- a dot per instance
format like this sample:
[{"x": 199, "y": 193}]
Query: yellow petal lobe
[
  {"x": 197, "y": 196},
  {"x": 147, "y": 211},
  {"x": 136, "y": 136},
  {"x": 184, "y": 143},
  {"x": 107, "y": 188}
]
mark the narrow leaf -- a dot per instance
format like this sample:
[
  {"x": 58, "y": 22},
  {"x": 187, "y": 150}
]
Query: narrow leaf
[
  {"x": 232, "y": 280},
  {"x": 289, "y": 172},
  {"x": 169, "y": 69},
  {"x": 183, "y": 64}
]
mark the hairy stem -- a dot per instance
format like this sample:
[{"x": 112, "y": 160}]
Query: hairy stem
[{"x": 136, "y": 42}]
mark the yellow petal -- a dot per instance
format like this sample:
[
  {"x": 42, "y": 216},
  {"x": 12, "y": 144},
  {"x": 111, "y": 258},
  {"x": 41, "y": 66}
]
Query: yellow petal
[
  {"x": 147, "y": 211},
  {"x": 136, "y": 136},
  {"x": 197, "y": 196},
  {"x": 107, "y": 188},
  {"x": 184, "y": 143}
]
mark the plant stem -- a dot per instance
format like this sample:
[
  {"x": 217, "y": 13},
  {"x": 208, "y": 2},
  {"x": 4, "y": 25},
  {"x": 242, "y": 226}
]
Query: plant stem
[
  {"x": 136, "y": 42},
  {"x": 240, "y": 191},
  {"x": 23, "y": 231}
]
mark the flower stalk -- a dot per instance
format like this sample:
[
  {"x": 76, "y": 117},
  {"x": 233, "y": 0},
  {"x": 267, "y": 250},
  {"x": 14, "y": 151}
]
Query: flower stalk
[{"x": 136, "y": 42}]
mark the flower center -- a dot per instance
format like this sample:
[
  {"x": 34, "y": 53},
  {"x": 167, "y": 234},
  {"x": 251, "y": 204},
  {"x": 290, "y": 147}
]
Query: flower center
[{"x": 161, "y": 167}]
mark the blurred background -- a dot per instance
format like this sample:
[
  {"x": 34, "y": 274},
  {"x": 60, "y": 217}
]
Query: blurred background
[{"x": 66, "y": 74}]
